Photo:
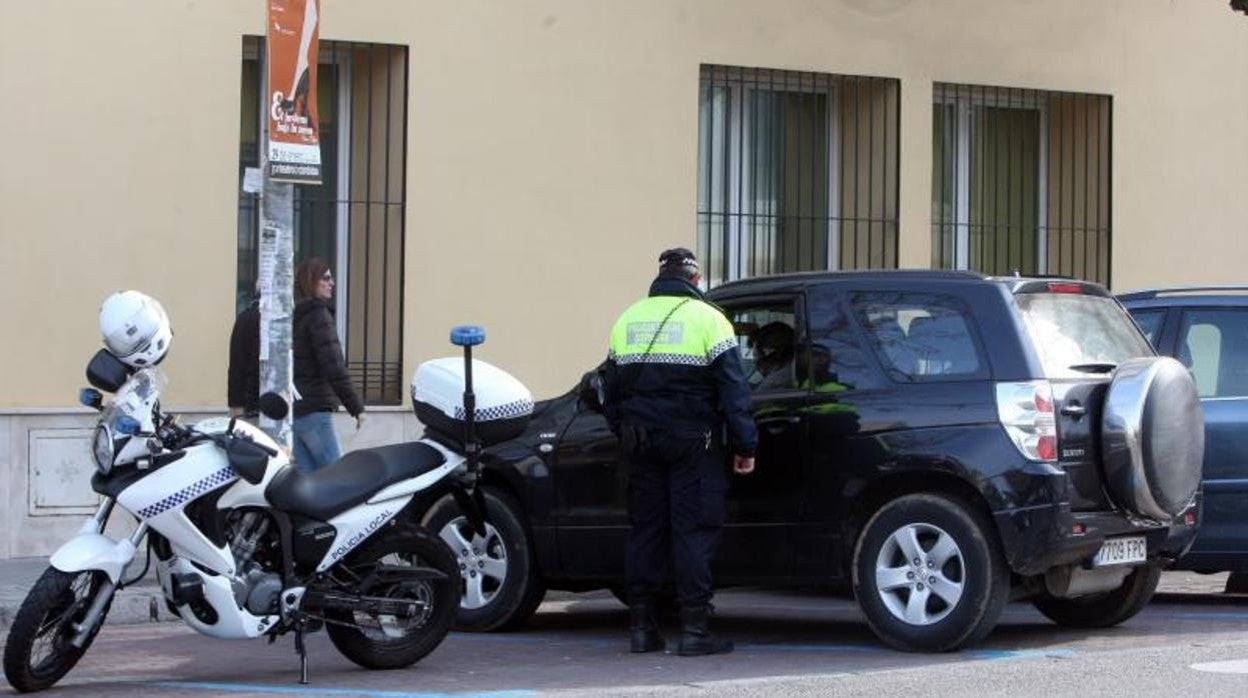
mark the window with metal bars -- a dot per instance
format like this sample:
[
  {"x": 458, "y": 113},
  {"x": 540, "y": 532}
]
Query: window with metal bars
[
  {"x": 354, "y": 219},
  {"x": 796, "y": 172},
  {"x": 1021, "y": 181}
]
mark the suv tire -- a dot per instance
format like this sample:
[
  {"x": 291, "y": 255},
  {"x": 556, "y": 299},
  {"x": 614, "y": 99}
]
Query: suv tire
[
  {"x": 1104, "y": 609},
  {"x": 967, "y": 581},
  {"x": 506, "y": 589},
  {"x": 1153, "y": 437}
]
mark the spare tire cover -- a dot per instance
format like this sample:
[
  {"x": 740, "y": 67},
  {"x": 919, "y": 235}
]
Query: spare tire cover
[{"x": 1153, "y": 437}]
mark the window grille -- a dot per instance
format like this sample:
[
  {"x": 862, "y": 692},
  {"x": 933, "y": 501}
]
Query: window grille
[
  {"x": 355, "y": 218},
  {"x": 796, "y": 172},
  {"x": 1021, "y": 181}
]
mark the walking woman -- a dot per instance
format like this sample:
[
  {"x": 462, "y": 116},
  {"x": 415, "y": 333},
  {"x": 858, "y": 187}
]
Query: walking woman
[{"x": 320, "y": 369}]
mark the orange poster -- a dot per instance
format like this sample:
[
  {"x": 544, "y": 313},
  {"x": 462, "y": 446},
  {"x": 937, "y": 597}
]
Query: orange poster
[{"x": 294, "y": 134}]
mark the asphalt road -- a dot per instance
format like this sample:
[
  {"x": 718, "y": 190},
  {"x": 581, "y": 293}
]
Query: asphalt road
[{"x": 788, "y": 643}]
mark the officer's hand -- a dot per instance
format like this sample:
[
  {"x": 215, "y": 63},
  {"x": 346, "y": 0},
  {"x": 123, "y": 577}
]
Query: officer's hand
[
  {"x": 359, "y": 421},
  {"x": 236, "y": 411},
  {"x": 743, "y": 465}
]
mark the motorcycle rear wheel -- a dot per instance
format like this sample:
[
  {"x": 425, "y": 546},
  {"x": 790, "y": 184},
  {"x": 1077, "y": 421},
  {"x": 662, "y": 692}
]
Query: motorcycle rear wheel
[
  {"x": 386, "y": 642},
  {"x": 38, "y": 652}
]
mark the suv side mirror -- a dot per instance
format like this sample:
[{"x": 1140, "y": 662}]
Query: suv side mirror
[{"x": 590, "y": 392}]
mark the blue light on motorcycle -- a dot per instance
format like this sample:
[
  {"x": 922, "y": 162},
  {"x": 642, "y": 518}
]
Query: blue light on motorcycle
[
  {"x": 467, "y": 335},
  {"x": 127, "y": 425},
  {"x": 90, "y": 397}
]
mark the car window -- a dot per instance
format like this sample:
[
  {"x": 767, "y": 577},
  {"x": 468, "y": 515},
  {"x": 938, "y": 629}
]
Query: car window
[
  {"x": 919, "y": 336},
  {"x": 767, "y": 340},
  {"x": 1071, "y": 331},
  {"x": 1150, "y": 323},
  {"x": 833, "y": 337},
  {"x": 1213, "y": 344}
]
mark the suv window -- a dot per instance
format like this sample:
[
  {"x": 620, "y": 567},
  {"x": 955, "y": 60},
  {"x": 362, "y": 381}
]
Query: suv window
[
  {"x": 1150, "y": 323},
  {"x": 1075, "y": 329},
  {"x": 1213, "y": 344},
  {"x": 919, "y": 336},
  {"x": 767, "y": 338},
  {"x": 835, "y": 342}
]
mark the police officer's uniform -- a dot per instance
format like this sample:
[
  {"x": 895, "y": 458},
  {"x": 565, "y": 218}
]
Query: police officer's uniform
[{"x": 673, "y": 379}]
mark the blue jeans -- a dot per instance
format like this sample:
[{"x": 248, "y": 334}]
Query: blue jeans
[{"x": 316, "y": 444}]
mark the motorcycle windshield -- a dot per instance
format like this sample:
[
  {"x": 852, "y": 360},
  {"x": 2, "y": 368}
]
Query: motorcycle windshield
[{"x": 136, "y": 399}]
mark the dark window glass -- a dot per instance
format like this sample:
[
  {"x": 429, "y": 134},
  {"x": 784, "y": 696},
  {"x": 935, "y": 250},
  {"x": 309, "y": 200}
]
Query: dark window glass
[
  {"x": 919, "y": 336},
  {"x": 767, "y": 338},
  {"x": 832, "y": 335},
  {"x": 1021, "y": 180},
  {"x": 797, "y": 171},
  {"x": 1150, "y": 323},
  {"x": 355, "y": 219},
  {"x": 1213, "y": 344}
]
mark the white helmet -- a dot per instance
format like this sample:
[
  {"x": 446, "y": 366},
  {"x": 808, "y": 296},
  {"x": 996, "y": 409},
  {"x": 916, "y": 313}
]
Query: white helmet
[{"x": 135, "y": 328}]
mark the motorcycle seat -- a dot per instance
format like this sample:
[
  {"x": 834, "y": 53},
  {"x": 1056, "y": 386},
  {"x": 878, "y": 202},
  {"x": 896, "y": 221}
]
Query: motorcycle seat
[{"x": 325, "y": 493}]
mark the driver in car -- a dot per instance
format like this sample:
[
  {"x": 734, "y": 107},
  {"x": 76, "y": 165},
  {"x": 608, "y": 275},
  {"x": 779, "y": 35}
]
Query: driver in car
[{"x": 773, "y": 348}]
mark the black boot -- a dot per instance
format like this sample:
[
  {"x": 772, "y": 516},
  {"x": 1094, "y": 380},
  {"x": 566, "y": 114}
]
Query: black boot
[
  {"x": 695, "y": 633},
  {"x": 643, "y": 628}
]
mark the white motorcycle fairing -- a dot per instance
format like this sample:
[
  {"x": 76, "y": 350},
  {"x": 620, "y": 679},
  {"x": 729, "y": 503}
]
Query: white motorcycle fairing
[
  {"x": 160, "y": 499},
  {"x": 91, "y": 550},
  {"x": 232, "y": 622}
]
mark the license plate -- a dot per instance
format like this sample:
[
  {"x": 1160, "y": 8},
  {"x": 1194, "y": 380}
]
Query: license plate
[{"x": 1121, "y": 551}]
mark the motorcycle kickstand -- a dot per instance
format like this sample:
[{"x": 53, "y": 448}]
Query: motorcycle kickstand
[{"x": 302, "y": 648}]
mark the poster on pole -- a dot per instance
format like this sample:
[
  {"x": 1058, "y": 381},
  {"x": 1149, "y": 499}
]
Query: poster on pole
[{"x": 294, "y": 131}]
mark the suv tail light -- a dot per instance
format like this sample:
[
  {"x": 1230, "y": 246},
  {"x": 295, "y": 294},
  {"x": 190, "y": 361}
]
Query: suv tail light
[{"x": 1026, "y": 412}]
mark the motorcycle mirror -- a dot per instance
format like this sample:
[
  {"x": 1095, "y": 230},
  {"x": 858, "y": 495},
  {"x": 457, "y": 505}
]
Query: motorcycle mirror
[
  {"x": 107, "y": 372},
  {"x": 273, "y": 406}
]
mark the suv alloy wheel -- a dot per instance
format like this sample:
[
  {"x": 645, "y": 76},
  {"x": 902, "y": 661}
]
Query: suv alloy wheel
[
  {"x": 928, "y": 573},
  {"x": 501, "y": 587}
]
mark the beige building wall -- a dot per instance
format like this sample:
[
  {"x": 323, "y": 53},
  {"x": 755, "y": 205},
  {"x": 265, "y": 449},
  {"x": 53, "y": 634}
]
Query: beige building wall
[{"x": 551, "y": 153}]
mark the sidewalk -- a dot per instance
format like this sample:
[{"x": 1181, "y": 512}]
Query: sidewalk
[
  {"x": 140, "y": 603},
  {"x": 144, "y": 603}
]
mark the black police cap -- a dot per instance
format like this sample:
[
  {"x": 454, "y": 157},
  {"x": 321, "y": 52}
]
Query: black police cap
[{"x": 677, "y": 257}]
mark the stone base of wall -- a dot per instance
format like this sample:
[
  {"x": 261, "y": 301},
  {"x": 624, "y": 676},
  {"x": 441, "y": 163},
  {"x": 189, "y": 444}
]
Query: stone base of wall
[{"x": 46, "y": 466}]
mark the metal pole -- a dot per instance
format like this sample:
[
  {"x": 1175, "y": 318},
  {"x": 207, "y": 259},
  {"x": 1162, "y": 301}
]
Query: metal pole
[{"x": 277, "y": 301}]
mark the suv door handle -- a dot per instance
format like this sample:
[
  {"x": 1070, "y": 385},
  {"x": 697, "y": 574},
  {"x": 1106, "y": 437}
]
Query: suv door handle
[{"x": 1074, "y": 410}]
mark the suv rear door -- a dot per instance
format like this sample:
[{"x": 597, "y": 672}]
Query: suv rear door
[{"x": 1080, "y": 334}]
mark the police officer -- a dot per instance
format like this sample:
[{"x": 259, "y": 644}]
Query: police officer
[{"x": 672, "y": 380}]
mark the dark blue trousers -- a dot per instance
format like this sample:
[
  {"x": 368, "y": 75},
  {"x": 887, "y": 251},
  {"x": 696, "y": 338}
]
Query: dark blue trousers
[{"x": 676, "y": 507}]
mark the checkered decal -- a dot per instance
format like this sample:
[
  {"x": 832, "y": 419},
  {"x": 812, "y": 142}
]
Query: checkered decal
[
  {"x": 715, "y": 351},
  {"x": 519, "y": 408},
  {"x": 657, "y": 358},
  {"x": 187, "y": 494}
]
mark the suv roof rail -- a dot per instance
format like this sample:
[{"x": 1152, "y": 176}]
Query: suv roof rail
[{"x": 1151, "y": 293}]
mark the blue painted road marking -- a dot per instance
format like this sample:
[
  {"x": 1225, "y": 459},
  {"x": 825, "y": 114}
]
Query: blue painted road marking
[{"x": 322, "y": 691}]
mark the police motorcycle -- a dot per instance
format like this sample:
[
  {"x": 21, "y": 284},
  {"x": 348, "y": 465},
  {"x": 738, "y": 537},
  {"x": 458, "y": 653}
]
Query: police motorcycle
[{"x": 247, "y": 546}]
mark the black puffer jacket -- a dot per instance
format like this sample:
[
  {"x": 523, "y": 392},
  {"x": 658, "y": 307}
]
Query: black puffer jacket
[
  {"x": 320, "y": 370},
  {"x": 243, "y": 388}
]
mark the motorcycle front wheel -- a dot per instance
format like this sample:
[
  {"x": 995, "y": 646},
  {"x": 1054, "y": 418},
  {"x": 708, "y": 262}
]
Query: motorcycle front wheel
[
  {"x": 39, "y": 650},
  {"x": 377, "y": 641}
]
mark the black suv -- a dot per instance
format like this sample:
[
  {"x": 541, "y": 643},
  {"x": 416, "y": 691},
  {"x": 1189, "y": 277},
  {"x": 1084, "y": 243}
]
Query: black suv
[{"x": 940, "y": 442}]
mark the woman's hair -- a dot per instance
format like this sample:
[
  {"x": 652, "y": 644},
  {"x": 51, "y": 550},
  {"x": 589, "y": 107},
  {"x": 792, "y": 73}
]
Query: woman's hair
[{"x": 307, "y": 275}]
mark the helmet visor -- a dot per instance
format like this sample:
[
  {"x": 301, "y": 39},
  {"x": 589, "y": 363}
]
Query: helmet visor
[{"x": 126, "y": 340}]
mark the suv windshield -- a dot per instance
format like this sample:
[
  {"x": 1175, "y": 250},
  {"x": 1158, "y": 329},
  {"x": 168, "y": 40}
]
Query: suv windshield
[{"x": 1077, "y": 334}]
